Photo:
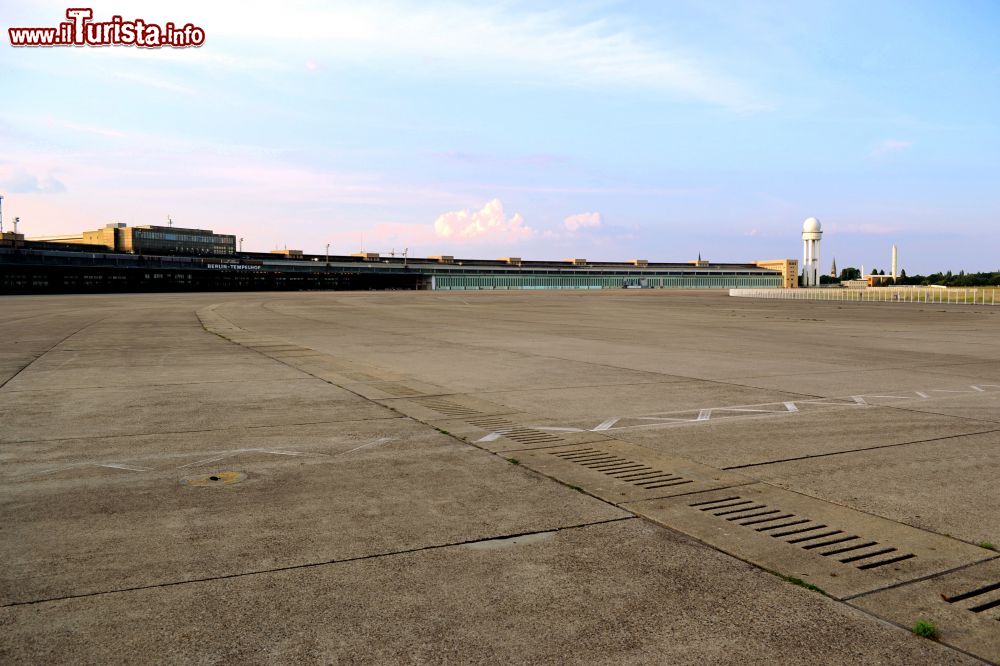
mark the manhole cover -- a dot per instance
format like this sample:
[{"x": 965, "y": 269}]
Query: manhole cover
[{"x": 217, "y": 479}]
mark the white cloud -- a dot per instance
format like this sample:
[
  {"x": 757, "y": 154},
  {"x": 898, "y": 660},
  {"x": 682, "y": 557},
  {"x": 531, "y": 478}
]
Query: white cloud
[
  {"x": 19, "y": 180},
  {"x": 579, "y": 221},
  {"x": 890, "y": 146},
  {"x": 547, "y": 47},
  {"x": 490, "y": 222}
]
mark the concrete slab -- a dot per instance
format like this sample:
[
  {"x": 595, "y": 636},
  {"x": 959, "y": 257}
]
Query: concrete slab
[
  {"x": 134, "y": 499},
  {"x": 307, "y": 501},
  {"x": 948, "y": 486},
  {"x": 757, "y": 439},
  {"x": 968, "y": 404},
  {"x": 625, "y": 592},
  {"x": 74, "y": 413},
  {"x": 963, "y": 606},
  {"x": 597, "y": 403},
  {"x": 148, "y": 366}
]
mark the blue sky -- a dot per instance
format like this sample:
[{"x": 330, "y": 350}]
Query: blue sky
[{"x": 607, "y": 130}]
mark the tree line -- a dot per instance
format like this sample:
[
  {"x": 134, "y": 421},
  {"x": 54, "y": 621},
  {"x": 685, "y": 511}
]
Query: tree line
[{"x": 947, "y": 279}]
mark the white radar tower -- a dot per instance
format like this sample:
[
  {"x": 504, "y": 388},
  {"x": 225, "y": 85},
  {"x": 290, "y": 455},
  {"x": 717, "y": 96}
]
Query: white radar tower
[{"x": 812, "y": 233}]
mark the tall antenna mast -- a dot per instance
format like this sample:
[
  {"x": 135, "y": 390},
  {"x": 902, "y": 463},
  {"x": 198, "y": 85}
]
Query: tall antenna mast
[
  {"x": 170, "y": 222},
  {"x": 1, "y": 213}
]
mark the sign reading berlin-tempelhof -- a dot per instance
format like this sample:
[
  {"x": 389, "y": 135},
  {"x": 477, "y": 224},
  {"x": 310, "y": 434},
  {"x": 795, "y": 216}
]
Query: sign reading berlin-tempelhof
[{"x": 82, "y": 30}]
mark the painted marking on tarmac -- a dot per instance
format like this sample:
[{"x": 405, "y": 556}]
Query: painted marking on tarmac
[
  {"x": 378, "y": 442},
  {"x": 125, "y": 467},
  {"x": 494, "y": 436},
  {"x": 705, "y": 414},
  {"x": 128, "y": 468}
]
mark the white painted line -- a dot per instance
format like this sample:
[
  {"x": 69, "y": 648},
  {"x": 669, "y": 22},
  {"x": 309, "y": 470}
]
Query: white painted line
[
  {"x": 747, "y": 409},
  {"x": 606, "y": 424},
  {"x": 859, "y": 399},
  {"x": 554, "y": 429},
  {"x": 378, "y": 442},
  {"x": 126, "y": 467},
  {"x": 791, "y": 406},
  {"x": 978, "y": 389},
  {"x": 922, "y": 394},
  {"x": 704, "y": 414},
  {"x": 492, "y": 437}
]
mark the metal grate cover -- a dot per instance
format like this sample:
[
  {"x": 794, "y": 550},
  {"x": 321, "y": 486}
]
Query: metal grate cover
[
  {"x": 808, "y": 534},
  {"x": 843, "y": 551}
]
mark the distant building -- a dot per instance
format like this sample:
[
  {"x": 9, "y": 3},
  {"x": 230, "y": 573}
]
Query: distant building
[
  {"x": 152, "y": 240},
  {"x": 789, "y": 269}
]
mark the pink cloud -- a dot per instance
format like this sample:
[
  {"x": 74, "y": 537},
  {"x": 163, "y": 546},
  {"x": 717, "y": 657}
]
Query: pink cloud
[
  {"x": 579, "y": 221},
  {"x": 490, "y": 222}
]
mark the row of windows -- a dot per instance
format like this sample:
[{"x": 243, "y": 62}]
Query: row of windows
[
  {"x": 185, "y": 238},
  {"x": 446, "y": 282}
]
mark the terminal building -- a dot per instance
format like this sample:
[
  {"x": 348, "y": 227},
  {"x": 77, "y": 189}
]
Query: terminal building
[
  {"x": 152, "y": 240},
  {"x": 151, "y": 258}
]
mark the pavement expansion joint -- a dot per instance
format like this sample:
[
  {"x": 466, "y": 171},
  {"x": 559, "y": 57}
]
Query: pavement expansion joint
[
  {"x": 490, "y": 542},
  {"x": 963, "y": 606},
  {"x": 829, "y": 454},
  {"x": 840, "y": 550}
]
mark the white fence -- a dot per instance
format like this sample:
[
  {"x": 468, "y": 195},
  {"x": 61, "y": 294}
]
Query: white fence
[{"x": 877, "y": 295}]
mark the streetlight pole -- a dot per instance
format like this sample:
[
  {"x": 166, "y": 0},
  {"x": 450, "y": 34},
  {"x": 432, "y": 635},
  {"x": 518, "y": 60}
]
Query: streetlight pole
[
  {"x": 327, "y": 255},
  {"x": 241, "y": 246}
]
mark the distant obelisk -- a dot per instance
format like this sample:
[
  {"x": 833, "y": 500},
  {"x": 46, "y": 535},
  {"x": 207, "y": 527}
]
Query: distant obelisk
[{"x": 895, "y": 257}]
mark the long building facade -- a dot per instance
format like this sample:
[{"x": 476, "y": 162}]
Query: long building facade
[{"x": 64, "y": 265}]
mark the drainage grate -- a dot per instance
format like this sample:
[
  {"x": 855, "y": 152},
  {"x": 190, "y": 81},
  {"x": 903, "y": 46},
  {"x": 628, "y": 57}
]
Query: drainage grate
[
  {"x": 803, "y": 532},
  {"x": 841, "y": 550},
  {"x": 623, "y": 469},
  {"x": 979, "y": 600},
  {"x": 619, "y": 472},
  {"x": 446, "y": 407},
  {"x": 520, "y": 434}
]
